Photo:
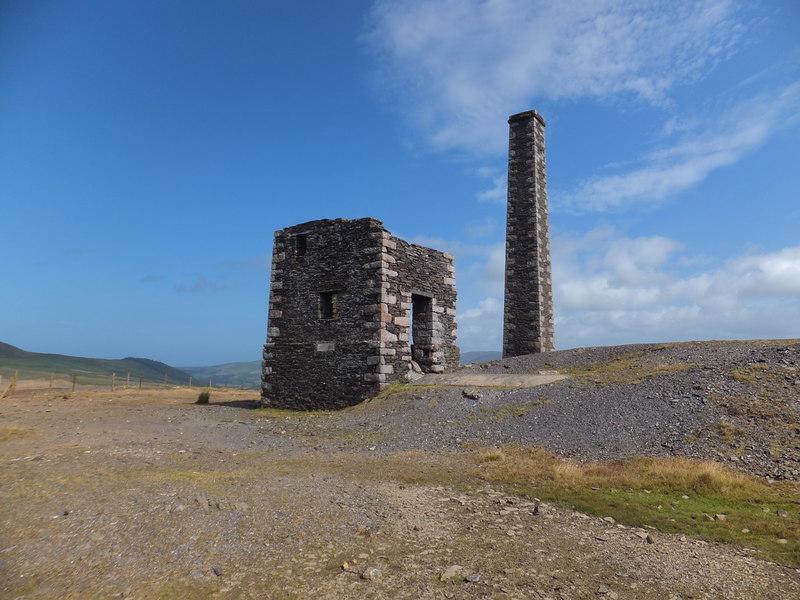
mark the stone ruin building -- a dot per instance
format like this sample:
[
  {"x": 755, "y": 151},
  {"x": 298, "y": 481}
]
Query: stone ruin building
[
  {"x": 528, "y": 309},
  {"x": 352, "y": 309}
]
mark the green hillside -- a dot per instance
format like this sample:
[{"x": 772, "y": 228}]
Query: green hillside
[
  {"x": 240, "y": 374},
  {"x": 88, "y": 370}
]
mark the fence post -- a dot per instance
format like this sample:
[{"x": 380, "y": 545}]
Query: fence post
[
  {"x": 51, "y": 380},
  {"x": 12, "y": 387},
  {"x": 140, "y": 383},
  {"x": 127, "y": 385},
  {"x": 113, "y": 382},
  {"x": 190, "y": 382},
  {"x": 74, "y": 378},
  {"x": 165, "y": 380}
]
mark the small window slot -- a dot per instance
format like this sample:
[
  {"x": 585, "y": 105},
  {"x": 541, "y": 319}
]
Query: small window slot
[
  {"x": 328, "y": 305},
  {"x": 300, "y": 244}
]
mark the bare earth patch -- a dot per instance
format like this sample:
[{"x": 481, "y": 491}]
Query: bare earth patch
[{"x": 146, "y": 495}]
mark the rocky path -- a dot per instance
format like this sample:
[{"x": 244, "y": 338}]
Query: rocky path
[{"x": 149, "y": 496}]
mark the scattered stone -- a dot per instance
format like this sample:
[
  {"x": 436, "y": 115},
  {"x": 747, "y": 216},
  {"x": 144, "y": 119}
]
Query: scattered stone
[
  {"x": 217, "y": 570},
  {"x": 783, "y": 514},
  {"x": 720, "y": 517},
  {"x": 783, "y": 541},
  {"x": 609, "y": 519},
  {"x": 642, "y": 535},
  {"x": 371, "y": 574},
  {"x": 453, "y": 572},
  {"x": 471, "y": 394},
  {"x": 603, "y": 589},
  {"x": 745, "y": 530},
  {"x": 472, "y": 578}
]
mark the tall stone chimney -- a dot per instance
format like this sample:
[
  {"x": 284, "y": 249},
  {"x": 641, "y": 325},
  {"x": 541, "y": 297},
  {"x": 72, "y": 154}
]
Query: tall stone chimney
[{"x": 528, "y": 310}]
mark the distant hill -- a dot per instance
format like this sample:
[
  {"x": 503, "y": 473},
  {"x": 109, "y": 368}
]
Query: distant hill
[
  {"x": 248, "y": 374},
  {"x": 480, "y": 356},
  {"x": 245, "y": 375},
  {"x": 89, "y": 370}
]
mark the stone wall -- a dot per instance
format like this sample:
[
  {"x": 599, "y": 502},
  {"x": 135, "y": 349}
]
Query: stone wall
[
  {"x": 341, "y": 311},
  {"x": 528, "y": 311}
]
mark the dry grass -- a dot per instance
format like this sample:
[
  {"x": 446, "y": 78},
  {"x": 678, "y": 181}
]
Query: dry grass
[
  {"x": 524, "y": 465},
  {"x": 10, "y": 432},
  {"x": 671, "y": 494},
  {"x": 749, "y": 375},
  {"x": 633, "y": 367}
]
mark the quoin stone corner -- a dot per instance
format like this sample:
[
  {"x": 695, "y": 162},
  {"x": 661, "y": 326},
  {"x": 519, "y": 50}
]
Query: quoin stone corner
[
  {"x": 352, "y": 309},
  {"x": 528, "y": 304}
]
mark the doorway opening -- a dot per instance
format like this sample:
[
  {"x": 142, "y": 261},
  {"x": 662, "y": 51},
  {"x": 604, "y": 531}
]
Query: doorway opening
[{"x": 421, "y": 328}]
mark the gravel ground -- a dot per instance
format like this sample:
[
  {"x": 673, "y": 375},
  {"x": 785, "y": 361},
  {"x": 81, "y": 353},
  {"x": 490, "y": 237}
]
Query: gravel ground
[
  {"x": 737, "y": 402},
  {"x": 146, "y": 495}
]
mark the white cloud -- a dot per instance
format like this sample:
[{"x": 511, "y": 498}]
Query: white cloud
[
  {"x": 464, "y": 65},
  {"x": 480, "y": 327},
  {"x": 670, "y": 170},
  {"x": 612, "y": 289},
  {"x": 634, "y": 291},
  {"x": 496, "y": 194},
  {"x": 483, "y": 228}
]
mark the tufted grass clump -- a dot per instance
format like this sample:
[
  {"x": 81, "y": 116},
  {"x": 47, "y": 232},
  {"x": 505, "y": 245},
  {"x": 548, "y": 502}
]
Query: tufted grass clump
[
  {"x": 203, "y": 397},
  {"x": 702, "y": 499}
]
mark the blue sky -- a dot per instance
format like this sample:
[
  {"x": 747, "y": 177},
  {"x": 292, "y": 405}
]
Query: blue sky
[{"x": 149, "y": 149}]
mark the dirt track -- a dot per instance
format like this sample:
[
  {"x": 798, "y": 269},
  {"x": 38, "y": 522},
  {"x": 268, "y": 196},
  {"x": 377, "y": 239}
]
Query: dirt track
[{"x": 149, "y": 496}]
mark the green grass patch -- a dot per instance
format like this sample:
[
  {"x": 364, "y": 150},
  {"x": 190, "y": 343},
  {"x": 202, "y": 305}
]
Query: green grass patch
[{"x": 672, "y": 495}]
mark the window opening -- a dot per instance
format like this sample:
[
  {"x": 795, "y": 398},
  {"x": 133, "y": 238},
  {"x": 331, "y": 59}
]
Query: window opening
[
  {"x": 301, "y": 244},
  {"x": 327, "y": 305}
]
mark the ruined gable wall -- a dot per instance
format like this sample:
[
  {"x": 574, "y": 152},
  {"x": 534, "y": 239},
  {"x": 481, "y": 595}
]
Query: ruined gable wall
[
  {"x": 427, "y": 273},
  {"x": 312, "y": 362}
]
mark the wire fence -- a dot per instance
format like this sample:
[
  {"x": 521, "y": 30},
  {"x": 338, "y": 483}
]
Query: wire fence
[{"x": 11, "y": 384}]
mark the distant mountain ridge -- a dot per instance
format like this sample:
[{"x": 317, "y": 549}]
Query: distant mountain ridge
[
  {"x": 239, "y": 374},
  {"x": 35, "y": 364},
  {"x": 476, "y": 356},
  {"x": 245, "y": 374}
]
